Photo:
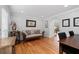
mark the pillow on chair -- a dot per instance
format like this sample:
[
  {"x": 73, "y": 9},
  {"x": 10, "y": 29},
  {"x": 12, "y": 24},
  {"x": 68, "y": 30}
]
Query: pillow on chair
[{"x": 71, "y": 33}]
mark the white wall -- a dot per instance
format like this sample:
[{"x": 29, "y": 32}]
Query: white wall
[
  {"x": 58, "y": 19},
  {"x": 21, "y": 22}
]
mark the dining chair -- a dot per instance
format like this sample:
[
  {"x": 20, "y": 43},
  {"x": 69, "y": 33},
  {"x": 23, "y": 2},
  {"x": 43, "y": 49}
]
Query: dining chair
[
  {"x": 62, "y": 35},
  {"x": 71, "y": 33}
]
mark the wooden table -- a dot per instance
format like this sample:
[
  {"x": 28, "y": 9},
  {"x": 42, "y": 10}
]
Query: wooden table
[
  {"x": 71, "y": 42},
  {"x": 6, "y": 45}
]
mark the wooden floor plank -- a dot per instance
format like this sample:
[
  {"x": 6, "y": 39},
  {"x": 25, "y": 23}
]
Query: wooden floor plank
[{"x": 39, "y": 46}]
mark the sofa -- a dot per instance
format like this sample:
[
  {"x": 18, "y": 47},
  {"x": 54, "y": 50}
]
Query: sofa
[{"x": 32, "y": 34}]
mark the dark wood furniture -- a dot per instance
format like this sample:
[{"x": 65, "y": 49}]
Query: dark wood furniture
[
  {"x": 70, "y": 44},
  {"x": 71, "y": 33},
  {"x": 62, "y": 35},
  {"x": 17, "y": 34}
]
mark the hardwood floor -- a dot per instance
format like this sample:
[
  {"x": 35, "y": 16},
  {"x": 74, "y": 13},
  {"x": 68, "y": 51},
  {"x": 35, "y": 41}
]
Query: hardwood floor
[{"x": 39, "y": 46}]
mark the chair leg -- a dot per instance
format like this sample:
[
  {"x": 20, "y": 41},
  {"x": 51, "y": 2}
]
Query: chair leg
[{"x": 60, "y": 52}]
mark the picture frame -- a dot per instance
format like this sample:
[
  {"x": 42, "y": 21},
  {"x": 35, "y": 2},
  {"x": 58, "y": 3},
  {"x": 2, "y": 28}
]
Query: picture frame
[
  {"x": 30, "y": 23},
  {"x": 66, "y": 23},
  {"x": 76, "y": 22}
]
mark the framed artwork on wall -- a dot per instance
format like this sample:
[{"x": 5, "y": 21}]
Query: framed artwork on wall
[
  {"x": 66, "y": 23},
  {"x": 30, "y": 23},
  {"x": 76, "y": 22}
]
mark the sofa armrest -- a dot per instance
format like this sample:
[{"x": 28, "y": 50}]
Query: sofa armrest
[{"x": 43, "y": 32}]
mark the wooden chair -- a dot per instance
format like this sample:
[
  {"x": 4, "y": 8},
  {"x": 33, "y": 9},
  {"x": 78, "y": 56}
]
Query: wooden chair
[
  {"x": 62, "y": 35},
  {"x": 71, "y": 33}
]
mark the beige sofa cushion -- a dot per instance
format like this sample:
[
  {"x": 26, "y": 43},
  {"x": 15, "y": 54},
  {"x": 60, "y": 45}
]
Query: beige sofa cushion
[
  {"x": 36, "y": 31},
  {"x": 33, "y": 35},
  {"x": 28, "y": 32}
]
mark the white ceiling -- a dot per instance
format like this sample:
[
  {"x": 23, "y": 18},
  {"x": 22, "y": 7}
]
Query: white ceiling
[{"x": 40, "y": 10}]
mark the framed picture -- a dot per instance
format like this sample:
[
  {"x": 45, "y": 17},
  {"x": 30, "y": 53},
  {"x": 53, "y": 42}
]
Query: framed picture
[
  {"x": 30, "y": 23},
  {"x": 76, "y": 22},
  {"x": 65, "y": 22}
]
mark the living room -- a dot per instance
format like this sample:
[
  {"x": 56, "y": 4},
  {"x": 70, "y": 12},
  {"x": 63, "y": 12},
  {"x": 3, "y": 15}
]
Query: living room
[
  {"x": 25, "y": 24},
  {"x": 42, "y": 24}
]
